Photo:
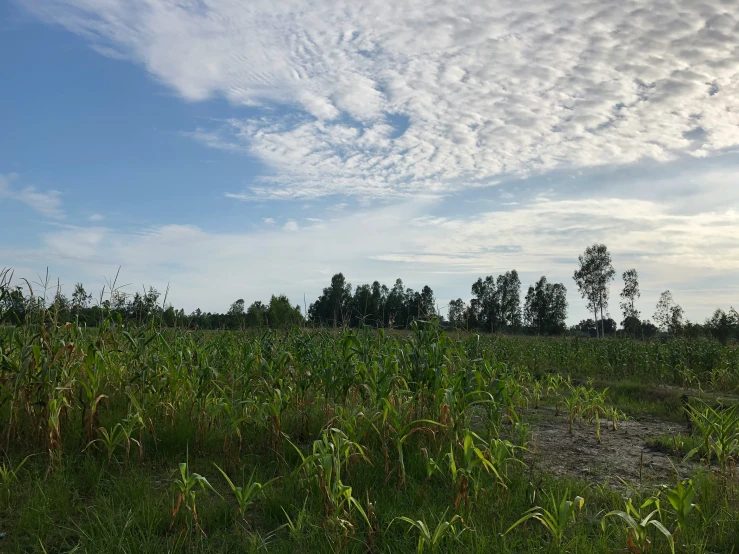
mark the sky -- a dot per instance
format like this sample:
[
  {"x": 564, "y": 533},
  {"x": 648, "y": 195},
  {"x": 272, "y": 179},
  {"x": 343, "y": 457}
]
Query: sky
[{"x": 226, "y": 149}]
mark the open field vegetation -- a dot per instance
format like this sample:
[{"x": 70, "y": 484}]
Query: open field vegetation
[{"x": 148, "y": 438}]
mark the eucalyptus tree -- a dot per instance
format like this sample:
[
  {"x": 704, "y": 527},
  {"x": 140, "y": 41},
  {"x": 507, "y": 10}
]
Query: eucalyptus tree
[
  {"x": 509, "y": 296},
  {"x": 80, "y": 298},
  {"x": 668, "y": 314},
  {"x": 334, "y": 305},
  {"x": 457, "y": 313},
  {"x": 593, "y": 277},
  {"x": 629, "y": 294},
  {"x": 545, "y": 308}
]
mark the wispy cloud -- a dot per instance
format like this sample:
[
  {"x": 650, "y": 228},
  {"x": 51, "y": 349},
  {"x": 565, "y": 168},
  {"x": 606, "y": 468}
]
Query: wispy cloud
[
  {"x": 396, "y": 98},
  {"x": 96, "y": 217},
  {"x": 695, "y": 255},
  {"x": 47, "y": 203}
]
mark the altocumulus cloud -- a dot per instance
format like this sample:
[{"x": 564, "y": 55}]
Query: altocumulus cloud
[{"x": 427, "y": 96}]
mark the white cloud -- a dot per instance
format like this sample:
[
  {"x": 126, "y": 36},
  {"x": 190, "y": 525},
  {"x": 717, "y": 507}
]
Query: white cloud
[
  {"x": 694, "y": 255},
  {"x": 268, "y": 221},
  {"x": 47, "y": 203},
  {"x": 96, "y": 217},
  {"x": 486, "y": 90}
]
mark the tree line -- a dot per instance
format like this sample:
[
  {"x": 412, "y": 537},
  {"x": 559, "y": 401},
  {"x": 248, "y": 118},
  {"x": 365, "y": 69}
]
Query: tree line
[{"x": 495, "y": 306}]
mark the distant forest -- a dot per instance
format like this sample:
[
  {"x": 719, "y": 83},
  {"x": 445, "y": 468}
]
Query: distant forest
[{"x": 495, "y": 307}]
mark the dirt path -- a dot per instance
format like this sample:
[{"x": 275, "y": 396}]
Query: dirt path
[{"x": 622, "y": 453}]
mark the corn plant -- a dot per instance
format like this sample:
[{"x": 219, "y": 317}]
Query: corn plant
[
  {"x": 638, "y": 526},
  {"x": 466, "y": 470},
  {"x": 185, "y": 488},
  {"x": 92, "y": 381},
  {"x": 57, "y": 403},
  {"x": 9, "y": 475},
  {"x": 572, "y": 403},
  {"x": 615, "y": 415},
  {"x": 397, "y": 429},
  {"x": 681, "y": 499},
  {"x": 556, "y": 519},
  {"x": 246, "y": 495},
  {"x": 594, "y": 405},
  {"x": 322, "y": 469},
  {"x": 297, "y": 527},
  {"x": 537, "y": 391},
  {"x": 121, "y": 435},
  {"x": 720, "y": 432},
  {"x": 432, "y": 540}
]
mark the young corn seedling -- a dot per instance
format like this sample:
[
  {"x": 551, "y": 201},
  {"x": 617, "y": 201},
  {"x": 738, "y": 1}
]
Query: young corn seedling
[
  {"x": 9, "y": 475},
  {"x": 432, "y": 540},
  {"x": 471, "y": 463},
  {"x": 246, "y": 495},
  {"x": 615, "y": 416},
  {"x": 556, "y": 519},
  {"x": 185, "y": 487},
  {"x": 537, "y": 391},
  {"x": 297, "y": 527},
  {"x": 554, "y": 383},
  {"x": 637, "y": 527},
  {"x": 572, "y": 403},
  {"x": 397, "y": 429},
  {"x": 56, "y": 405},
  {"x": 121, "y": 435},
  {"x": 323, "y": 472},
  {"x": 681, "y": 499},
  {"x": 594, "y": 407}
]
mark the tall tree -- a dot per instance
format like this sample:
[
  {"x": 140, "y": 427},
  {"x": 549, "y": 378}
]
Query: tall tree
[
  {"x": 361, "y": 305},
  {"x": 80, "y": 298},
  {"x": 457, "y": 313},
  {"x": 235, "y": 314},
  {"x": 629, "y": 294},
  {"x": 723, "y": 325},
  {"x": 545, "y": 308},
  {"x": 486, "y": 303},
  {"x": 256, "y": 315},
  {"x": 668, "y": 314},
  {"x": 379, "y": 298},
  {"x": 426, "y": 303},
  {"x": 593, "y": 278},
  {"x": 281, "y": 314},
  {"x": 508, "y": 288},
  {"x": 395, "y": 305},
  {"x": 334, "y": 305}
]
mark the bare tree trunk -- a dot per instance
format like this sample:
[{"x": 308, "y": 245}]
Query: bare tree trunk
[
  {"x": 602, "y": 322},
  {"x": 595, "y": 315}
]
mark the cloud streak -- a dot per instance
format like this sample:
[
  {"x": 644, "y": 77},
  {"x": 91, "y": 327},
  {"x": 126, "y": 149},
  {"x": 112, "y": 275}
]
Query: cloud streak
[
  {"x": 47, "y": 203},
  {"x": 385, "y": 99},
  {"x": 411, "y": 240}
]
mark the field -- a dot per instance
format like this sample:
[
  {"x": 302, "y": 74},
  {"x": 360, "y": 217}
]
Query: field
[{"x": 165, "y": 440}]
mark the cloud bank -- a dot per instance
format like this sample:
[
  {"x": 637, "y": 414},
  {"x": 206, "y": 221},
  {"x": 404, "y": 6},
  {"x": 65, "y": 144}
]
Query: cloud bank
[
  {"x": 389, "y": 99},
  {"x": 209, "y": 270}
]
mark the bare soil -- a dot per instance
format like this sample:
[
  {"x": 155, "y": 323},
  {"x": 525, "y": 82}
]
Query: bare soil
[{"x": 621, "y": 454}]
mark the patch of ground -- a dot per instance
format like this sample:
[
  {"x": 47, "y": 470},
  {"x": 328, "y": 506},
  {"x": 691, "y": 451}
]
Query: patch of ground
[{"x": 623, "y": 453}]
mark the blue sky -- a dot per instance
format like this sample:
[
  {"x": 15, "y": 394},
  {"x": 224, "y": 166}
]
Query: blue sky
[{"x": 238, "y": 149}]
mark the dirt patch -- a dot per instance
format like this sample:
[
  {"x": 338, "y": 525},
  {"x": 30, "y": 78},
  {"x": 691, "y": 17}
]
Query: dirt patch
[{"x": 621, "y": 453}]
